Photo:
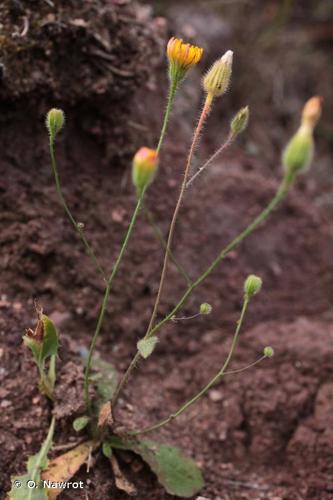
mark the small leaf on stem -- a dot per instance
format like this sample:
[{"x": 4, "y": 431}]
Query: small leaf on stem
[
  {"x": 147, "y": 346},
  {"x": 80, "y": 423}
]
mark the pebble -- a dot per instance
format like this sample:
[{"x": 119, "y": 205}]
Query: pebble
[{"x": 215, "y": 395}]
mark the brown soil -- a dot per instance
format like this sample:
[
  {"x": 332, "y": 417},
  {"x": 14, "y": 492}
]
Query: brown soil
[{"x": 263, "y": 434}]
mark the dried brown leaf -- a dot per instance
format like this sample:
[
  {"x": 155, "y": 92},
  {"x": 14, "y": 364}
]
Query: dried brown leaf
[
  {"x": 105, "y": 418},
  {"x": 122, "y": 483},
  {"x": 62, "y": 468}
]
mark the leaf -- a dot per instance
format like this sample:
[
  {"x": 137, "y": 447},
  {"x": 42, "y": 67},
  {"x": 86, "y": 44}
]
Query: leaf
[
  {"x": 106, "y": 449},
  {"x": 34, "y": 345},
  {"x": 147, "y": 346},
  {"x": 35, "y": 465},
  {"x": 178, "y": 474},
  {"x": 50, "y": 339},
  {"x": 105, "y": 417},
  {"x": 80, "y": 423},
  {"x": 62, "y": 468},
  {"x": 122, "y": 483},
  {"x": 52, "y": 371}
]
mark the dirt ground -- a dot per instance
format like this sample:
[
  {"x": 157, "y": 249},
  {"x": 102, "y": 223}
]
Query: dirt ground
[{"x": 265, "y": 434}]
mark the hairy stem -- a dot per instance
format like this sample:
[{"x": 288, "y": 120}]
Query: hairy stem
[
  {"x": 204, "y": 113},
  {"x": 76, "y": 226},
  {"x": 203, "y": 116},
  {"x": 168, "y": 109},
  {"x": 279, "y": 196},
  {"x": 106, "y": 299},
  {"x": 208, "y": 386},
  {"x": 219, "y": 151}
]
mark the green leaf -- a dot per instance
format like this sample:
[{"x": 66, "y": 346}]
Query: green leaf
[
  {"x": 50, "y": 339},
  {"x": 80, "y": 423},
  {"x": 36, "y": 464},
  {"x": 146, "y": 346},
  {"x": 52, "y": 371},
  {"x": 35, "y": 347},
  {"x": 107, "y": 450},
  {"x": 178, "y": 474}
]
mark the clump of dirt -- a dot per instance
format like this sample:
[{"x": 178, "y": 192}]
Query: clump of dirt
[{"x": 89, "y": 59}]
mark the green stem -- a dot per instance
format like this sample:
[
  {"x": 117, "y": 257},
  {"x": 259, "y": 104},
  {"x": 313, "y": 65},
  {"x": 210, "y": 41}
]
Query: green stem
[
  {"x": 204, "y": 113},
  {"x": 168, "y": 109},
  {"x": 106, "y": 299},
  {"x": 41, "y": 457},
  {"x": 159, "y": 236},
  {"x": 88, "y": 248},
  {"x": 212, "y": 158},
  {"x": 280, "y": 194},
  {"x": 251, "y": 365},
  {"x": 208, "y": 386}
]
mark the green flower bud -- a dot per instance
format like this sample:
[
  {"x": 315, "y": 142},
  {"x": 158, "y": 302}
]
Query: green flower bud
[
  {"x": 239, "y": 122},
  {"x": 252, "y": 285},
  {"x": 217, "y": 79},
  {"x": 145, "y": 163},
  {"x": 55, "y": 120},
  {"x": 269, "y": 352},
  {"x": 298, "y": 153},
  {"x": 205, "y": 308}
]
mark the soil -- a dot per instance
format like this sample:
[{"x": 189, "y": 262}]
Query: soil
[{"x": 264, "y": 434}]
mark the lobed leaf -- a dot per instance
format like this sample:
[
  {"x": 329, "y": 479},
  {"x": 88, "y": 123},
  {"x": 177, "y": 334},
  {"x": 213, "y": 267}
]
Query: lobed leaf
[{"x": 178, "y": 474}]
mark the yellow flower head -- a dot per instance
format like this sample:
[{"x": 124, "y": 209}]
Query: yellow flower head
[
  {"x": 182, "y": 56},
  {"x": 145, "y": 163}
]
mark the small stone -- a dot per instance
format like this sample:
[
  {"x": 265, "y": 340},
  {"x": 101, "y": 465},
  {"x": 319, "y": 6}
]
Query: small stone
[{"x": 215, "y": 395}]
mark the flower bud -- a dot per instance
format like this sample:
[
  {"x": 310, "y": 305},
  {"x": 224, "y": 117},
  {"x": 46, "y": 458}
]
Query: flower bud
[
  {"x": 182, "y": 56},
  {"x": 55, "y": 120},
  {"x": 252, "y": 285},
  {"x": 298, "y": 153},
  {"x": 312, "y": 111},
  {"x": 269, "y": 352},
  {"x": 205, "y": 308},
  {"x": 239, "y": 122},
  {"x": 145, "y": 163},
  {"x": 217, "y": 79}
]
